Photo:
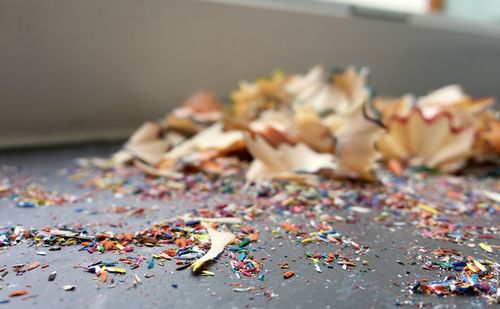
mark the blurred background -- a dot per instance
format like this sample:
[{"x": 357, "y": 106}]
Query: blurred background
[
  {"x": 78, "y": 71},
  {"x": 487, "y": 11}
]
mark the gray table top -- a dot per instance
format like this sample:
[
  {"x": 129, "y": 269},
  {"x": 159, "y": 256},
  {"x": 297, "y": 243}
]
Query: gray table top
[{"x": 380, "y": 284}]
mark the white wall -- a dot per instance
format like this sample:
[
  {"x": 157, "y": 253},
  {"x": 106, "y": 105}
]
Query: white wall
[
  {"x": 405, "y": 6},
  {"x": 74, "y": 70},
  {"x": 480, "y": 10}
]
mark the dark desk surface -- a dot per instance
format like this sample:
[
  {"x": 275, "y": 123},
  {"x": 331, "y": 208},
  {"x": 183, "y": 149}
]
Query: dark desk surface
[{"x": 382, "y": 282}]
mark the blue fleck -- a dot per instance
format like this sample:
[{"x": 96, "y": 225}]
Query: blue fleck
[
  {"x": 26, "y": 204},
  {"x": 242, "y": 256}
]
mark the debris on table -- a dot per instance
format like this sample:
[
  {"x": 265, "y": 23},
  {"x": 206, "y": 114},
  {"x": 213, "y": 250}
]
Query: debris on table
[{"x": 292, "y": 161}]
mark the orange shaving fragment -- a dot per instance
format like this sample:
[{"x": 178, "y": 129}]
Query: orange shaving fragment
[
  {"x": 290, "y": 227},
  {"x": 395, "y": 166},
  {"x": 108, "y": 245},
  {"x": 104, "y": 276},
  {"x": 33, "y": 265},
  {"x": 180, "y": 242},
  {"x": 18, "y": 293},
  {"x": 288, "y": 274},
  {"x": 253, "y": 237}
]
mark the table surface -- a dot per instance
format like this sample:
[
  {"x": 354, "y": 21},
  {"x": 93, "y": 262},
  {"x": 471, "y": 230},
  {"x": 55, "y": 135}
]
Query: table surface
[{"x": 379, "y": 285}]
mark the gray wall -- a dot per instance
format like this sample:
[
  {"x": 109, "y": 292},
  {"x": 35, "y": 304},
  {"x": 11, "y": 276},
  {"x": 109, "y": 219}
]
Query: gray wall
[{"x": 76, "y": 70}]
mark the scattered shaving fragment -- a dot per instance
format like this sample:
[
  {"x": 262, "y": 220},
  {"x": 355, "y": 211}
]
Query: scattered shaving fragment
[
  {"x": 408, "y": 139},
  {"x": 219, "y": 240},
  {"x": 285, "y": 161}
]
